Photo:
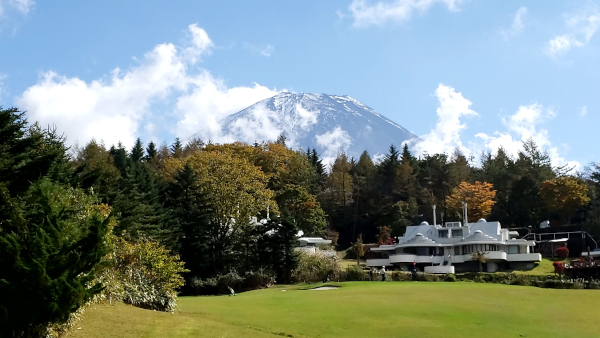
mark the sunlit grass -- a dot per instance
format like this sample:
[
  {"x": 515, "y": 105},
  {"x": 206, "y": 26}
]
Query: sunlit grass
[{"x": 363, "y": 309}]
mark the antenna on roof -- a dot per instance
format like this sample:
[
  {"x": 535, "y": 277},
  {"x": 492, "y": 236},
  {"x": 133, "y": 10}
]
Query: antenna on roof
[
  {"x": 433, "y": 206},
  {"x": 465, "y": 217}
]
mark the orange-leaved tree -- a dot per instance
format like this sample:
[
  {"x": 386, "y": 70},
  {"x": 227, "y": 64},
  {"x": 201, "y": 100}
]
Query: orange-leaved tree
[{"x": 478, "y": 196}]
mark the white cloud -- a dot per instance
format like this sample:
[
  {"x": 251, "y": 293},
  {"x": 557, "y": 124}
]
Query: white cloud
[
  {"x": 3, "y": 89},
  {"x": 562, "y": 44},
  {"x": 446, "y": 136},
  {"x": 583, "y": 111},
  {"x": 119, "y": 107},
  {"x": 524, "y": 124},
  {"x": 517, "y": 24},
  {"x": 581, "y": 28},
  {"x": 333, "y": 142},
  {"x": 23, "y": 6},
  {"x": 264, "y": 50},
  {"x": 366, "y": 13}
]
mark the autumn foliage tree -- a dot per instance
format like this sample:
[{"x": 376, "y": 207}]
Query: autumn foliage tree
[
  {"x": 564, "y": 196},
  {"x": 478, "y": 196}
]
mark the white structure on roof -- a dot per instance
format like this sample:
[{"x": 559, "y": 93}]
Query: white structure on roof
[
  {"x": 446, "y": 248},
  {"x": 314, "y": 245}
]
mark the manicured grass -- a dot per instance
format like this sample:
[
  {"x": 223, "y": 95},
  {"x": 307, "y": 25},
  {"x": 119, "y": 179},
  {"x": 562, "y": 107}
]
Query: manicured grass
[
  {"x": 363, "y": 309},
  {"x": 544, "y": 267}
]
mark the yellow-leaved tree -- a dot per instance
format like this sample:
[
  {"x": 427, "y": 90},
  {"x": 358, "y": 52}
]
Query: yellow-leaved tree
[
  {"x": 478, "y": 196},
  {"x": 564, "y": 196},
  {"x": 236, "y": 191}
]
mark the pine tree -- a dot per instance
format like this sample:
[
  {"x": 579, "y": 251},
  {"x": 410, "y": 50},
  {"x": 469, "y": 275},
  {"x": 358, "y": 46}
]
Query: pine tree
[
  {"x": 388, "y": 170},
  {"x": 120, "y": 157},
  {"x": 137, "y": 152},
  {"x": 277, "y": 247},
  {"x": 151, "y": 152},
  {"x": 137, "y": 204},
  {"x": 188, "y": 228}
]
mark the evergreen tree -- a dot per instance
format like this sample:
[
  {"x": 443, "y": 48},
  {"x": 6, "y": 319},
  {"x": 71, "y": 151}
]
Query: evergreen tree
[
  {"x": 48, "y": 260},
  {"x": 137, "y": 152},
  {"x": 277, "y": 247},
  {"x": 137, "y": 204},
  {"x": 151, "y": 152},
  {"x": 388, "y": 171},
  {"x": 177, "y": 149},
  {"x": 94, "y": 169},
  {"x": 188, "y": 222},
  {"x": 120, "y": 158}
]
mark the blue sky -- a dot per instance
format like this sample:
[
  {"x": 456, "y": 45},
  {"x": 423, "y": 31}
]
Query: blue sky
[{"x": 468, "y": 74}]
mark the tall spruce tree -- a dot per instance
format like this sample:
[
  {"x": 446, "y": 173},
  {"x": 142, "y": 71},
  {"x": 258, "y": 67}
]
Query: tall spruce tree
[{"x": 188, "y": 217}]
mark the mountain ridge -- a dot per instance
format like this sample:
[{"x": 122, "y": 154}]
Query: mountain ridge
[{"x": 329, "y": 123}]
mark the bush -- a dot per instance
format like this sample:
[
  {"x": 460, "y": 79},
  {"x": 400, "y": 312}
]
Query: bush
[
  {"x": 450, "y": 278},
  {"x": 562, "y": 252},
  {"x": 315, "y": 267},
  {"x": 594, "y": 285},
  {"x": 355, "y": 273},
  {"x": 219, "y": 284},
  {"x": 399, "y": 276},
  {"x": 143, "y": 274}
]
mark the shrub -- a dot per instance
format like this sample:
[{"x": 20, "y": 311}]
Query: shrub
[
  {"x": 143, "y": 274},
  {"x": 219, "y": 284},
  {"x": 578, "y": 285},
  {"x": 315, "y": 267},
  {"x": 450, "y": 278},
  {"x": 562, "y": 252},
  {"x": 355, "y": 273},
  {"x": 594, "y": 285},
  {"x": 401, "y": 276}
]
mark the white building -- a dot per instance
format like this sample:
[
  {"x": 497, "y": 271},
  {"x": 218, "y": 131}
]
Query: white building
[
  {"x": 447, "y": 248},
  {"x": 314, "y": 245}
]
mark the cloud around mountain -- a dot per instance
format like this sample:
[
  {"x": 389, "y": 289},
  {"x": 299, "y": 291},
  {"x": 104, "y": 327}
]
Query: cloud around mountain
[{"x": 168, "y": 94}]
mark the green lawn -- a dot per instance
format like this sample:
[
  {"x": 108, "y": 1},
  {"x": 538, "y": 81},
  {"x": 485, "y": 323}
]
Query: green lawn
[{"x": 363, "y": 309}]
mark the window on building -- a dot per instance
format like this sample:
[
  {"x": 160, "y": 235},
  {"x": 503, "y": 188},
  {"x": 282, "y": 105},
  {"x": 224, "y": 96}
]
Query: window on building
[
  {"x": 513, "y": 249},
  {"x": 443, "y": 233},
  {"x": 456, "y": 250},
  {"x": 457, "y": 233}
]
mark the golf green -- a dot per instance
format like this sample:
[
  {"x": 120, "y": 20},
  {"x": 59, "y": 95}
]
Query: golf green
[{"x": 363, "y": 309}]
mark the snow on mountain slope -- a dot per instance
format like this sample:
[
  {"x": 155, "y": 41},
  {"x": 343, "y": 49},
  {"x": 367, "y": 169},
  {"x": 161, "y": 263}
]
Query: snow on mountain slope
[{"x": 328, "y": 123}]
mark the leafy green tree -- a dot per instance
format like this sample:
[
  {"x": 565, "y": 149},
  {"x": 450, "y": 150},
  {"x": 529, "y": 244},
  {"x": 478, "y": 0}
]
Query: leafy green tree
[
  {"x": 358, "y": 248},
  {"x": 303, "y": 209}
]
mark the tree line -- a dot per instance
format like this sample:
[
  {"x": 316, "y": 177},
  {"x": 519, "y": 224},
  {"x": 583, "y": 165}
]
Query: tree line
[{"x": 237, "y": 207}]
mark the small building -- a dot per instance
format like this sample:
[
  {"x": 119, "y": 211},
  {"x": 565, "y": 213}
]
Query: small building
[
  {"x": 448, "y": 248},
  {"x": 314, "y": 245}
]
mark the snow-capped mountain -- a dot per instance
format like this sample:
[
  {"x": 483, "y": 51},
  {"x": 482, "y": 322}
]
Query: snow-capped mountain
[{"x": 329, "y": 123}]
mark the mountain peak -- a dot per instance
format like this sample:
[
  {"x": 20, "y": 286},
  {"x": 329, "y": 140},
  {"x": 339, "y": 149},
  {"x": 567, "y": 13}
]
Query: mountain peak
[{"x": 329, "y": 123}]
